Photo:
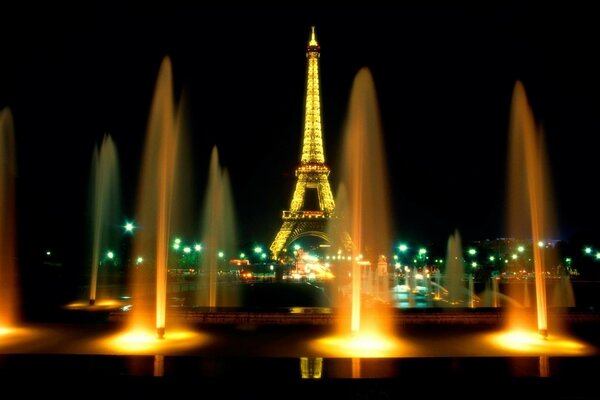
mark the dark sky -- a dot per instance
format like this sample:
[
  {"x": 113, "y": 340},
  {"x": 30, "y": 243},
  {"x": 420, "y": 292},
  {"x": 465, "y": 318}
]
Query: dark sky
[{"x": 444, "y": 78}]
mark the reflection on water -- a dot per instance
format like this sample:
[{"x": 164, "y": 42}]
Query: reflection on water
[{"x": 311, "y": 367}]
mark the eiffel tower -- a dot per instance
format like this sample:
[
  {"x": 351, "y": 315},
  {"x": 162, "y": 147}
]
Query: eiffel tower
[{"x": 306, "y": 218}]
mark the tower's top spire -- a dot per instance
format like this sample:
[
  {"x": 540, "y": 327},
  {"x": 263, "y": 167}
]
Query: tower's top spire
[
  {"x": 312, "y": 44},
  {"x": 312, "y": 147}
]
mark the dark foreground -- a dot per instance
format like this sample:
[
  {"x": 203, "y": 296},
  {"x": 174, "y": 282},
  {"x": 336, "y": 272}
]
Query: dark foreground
[
  {"x": 444, "y": 359},
  {"x": 81, "y": 376}
]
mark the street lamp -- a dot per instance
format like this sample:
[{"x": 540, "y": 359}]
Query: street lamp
[{"x": 129, "y": 227}]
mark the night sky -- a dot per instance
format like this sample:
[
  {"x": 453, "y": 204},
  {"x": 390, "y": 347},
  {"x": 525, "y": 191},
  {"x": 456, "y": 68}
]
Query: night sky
[{"x": 444, "y": 79}]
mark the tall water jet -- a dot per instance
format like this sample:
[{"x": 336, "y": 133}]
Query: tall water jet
[
  {"x": 529, "y": 201},
  {"x": 218, "y": 232},
  {"x": 8, "y": 264},
  {"x": 455, "y": 269},
  {"x": 105, "y": 205},
  {"x": 155, "y": 206},
  {"x": 365, "y": 175}
]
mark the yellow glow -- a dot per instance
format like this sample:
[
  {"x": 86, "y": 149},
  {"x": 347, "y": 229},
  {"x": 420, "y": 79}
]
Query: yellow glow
[
  {"x": 312, "y": 172},
  {"x": 11, "y": 336},
  {"x": 313, "y": 38},
  {"x": 362, "y": 344},
  {"x": 99, "y": 304},
  {"x": 529, "y": 342},
  {"x": 141, "y": 341},
  {"x": 4, "y": 330}
]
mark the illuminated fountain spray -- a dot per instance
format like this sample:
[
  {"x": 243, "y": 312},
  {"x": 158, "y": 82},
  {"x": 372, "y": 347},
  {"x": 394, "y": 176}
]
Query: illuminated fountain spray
[
  {"x": 105, "y": 204},
  {"x": 155, "y": 206},
  {"x": 367, "y": 330},
  {"x": 365, "y": 175},
  {"x": 455, "y": 269},
  {"x": 8, "y": 267},
  {"x": 529, "y": 200},
  {"x": 218, "y": 235}
]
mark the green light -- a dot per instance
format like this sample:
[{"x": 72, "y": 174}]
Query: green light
[
  {"x": 520, "y": 249},
  {"x": 139, "y": 260},
  {"x": 598, "y": 255},
  {"x": 474, "y": 264},
  {"x": 492, "y": 258},
  {"x": 258, "y": 250},
  {"x": 395, "y": 256},
  {"x": 110, "y": 255},
  {"x": 187, "y": 250},
  {"x": 221, "y": 254},
  {"x": 472, "y": 252},
  {"x": 48, "y": 253},
  {"x": 129, "y": 227},
  {"x": 588, "y": 250},
  {"x": 198, "y": 247},
  {"x": 398, "y": 265},
  {"x": 263, "y": 256},
  {"x": 422, "y": 251},
  {"x": 242, "y": 255},
  {"x": 568, "y": 259},
  {"x": 297, "y": 247},
  {"x": 177, "y": 240},
  {"x": 176, "y": 246},
  {"x": 403, "y": 248},
  {"x": 514, "y": 256},
  {"x": 271, "y": 267}
]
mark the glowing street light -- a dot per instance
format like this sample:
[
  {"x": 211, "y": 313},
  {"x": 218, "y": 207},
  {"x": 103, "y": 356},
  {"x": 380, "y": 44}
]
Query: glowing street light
[
  {"x": 588, "y": 250},
  {"x": 520, "y": 249},
  {"x": 403, "y": 248},
  {"x": 258, "y": 249},
  {"x": 198, "y": 247},
  {"x": 129, "y": 227},
  {"x": 110, "y": 255},
  {"x": 472, "y": 252}
]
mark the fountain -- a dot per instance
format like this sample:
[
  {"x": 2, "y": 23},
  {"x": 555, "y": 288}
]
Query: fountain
[
  {"x": 455, "y": 270},
  {"x": 530, "y": 216},
  {"x": 364, "y": 173},
  {"x": 155, "y": 206},
  {"x": 218, "y": 234},
  {"x": 146, "y": 330},
  {"x": 366, "y": 329},
  {"x": 8, "y": 265},
  {"x": 529, "y": 200},
  {"x": 105, "y": 205}
]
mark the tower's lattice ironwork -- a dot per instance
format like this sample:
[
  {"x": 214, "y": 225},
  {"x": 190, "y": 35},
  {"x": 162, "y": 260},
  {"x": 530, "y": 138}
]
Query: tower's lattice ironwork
[{"x": 304, "y": 218}]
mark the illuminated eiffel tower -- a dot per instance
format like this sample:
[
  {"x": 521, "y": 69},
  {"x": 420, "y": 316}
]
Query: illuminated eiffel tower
[{"x": 306, "y": 218}]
